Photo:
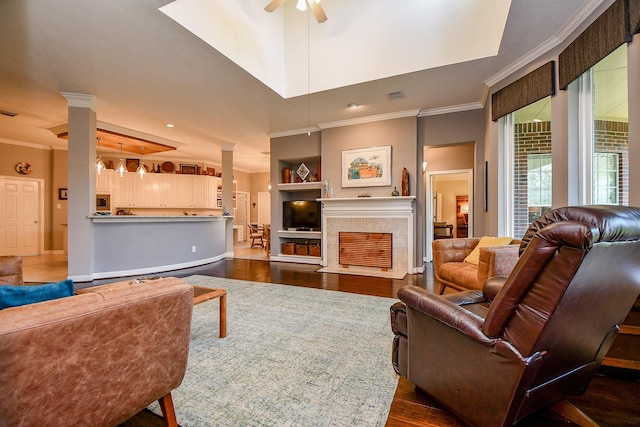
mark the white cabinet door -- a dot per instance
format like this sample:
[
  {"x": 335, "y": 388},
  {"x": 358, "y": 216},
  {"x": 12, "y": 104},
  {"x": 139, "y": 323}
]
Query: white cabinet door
[
  {"x": 199, "y": 189},
  {"x": 153, "y": 185},
  {"x": 171, "y": 190}
]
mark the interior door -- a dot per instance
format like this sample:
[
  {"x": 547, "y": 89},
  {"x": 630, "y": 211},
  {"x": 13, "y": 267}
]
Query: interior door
[
  {"x": 19, "y": 217},
  {"x": 240, "y": 217},
  {"x": 264, "y": 207}
]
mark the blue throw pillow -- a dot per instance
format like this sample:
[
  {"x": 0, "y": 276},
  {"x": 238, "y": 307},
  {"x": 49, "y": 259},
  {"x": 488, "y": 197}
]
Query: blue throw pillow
[{"x": 13, "y": 296}]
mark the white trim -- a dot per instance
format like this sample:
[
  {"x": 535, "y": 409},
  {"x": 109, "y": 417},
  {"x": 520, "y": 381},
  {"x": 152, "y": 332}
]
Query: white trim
[
  {"x": 585, "y": 138},
  {"x": 567, "y": 29},
  {"x": 428, "y": 206},
  {"x": 29, "y": 144},
  {"x": 505, "y": 175},
  {"x": 147, "y": 270},
  {"x": 81, "y": 100},
  {"x": 348, "y": 122},
  {"x": 451, "y": 109}
]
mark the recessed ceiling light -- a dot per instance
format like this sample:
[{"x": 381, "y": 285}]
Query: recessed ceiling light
[
  {"x": 170, "y": 125},
  {"x": 353, "y": 105},
  {"x": 537, "y": 120}
]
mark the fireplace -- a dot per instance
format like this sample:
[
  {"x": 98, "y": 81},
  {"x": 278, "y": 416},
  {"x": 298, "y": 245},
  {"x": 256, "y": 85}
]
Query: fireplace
[{"x": 393, "y": 216}]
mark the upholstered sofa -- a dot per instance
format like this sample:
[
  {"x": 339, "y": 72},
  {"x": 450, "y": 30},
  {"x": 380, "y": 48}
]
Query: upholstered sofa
[
  {"x": 94, "y": 359},
  {"x": 450, "y": 269}
]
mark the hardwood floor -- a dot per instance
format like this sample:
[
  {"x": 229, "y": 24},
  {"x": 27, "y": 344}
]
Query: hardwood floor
[{"x": 610, "y": 401}]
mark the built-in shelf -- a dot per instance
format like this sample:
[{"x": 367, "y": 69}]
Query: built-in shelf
[
  {"x": 300, "y": 186},
  {"x": 300, "y": 234},
  {"x": 301, "y": 259}
]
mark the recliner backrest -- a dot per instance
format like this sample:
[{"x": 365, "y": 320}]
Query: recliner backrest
[{"x": 575, "y": 262}]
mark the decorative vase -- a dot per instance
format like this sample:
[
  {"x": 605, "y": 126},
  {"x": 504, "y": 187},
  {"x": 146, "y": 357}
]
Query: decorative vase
[
  {"x": 286, "y": 175},
  {"x": 395, "y": 192}
]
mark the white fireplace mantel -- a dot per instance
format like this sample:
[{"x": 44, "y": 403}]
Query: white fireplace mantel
[{"x": 371, "y": 214}]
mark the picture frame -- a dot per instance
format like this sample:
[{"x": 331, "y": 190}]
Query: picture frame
[
  {"x": 63, "y": 194},
  {"x": 366, "y": 167},
  {"x": 188, "y": 169},
  {"x": 132, "y": 164}
]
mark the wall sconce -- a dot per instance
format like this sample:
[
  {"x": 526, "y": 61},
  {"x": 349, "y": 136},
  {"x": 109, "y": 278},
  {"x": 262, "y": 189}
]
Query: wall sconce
[
  {"x": 424, "y": 166},
  {"x": 269, "y": 186}
]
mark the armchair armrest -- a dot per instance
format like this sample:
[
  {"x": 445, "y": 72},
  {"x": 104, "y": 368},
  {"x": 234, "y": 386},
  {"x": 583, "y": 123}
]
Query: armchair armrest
[
  {"x": 445, "y": 311},
  {"x": 496, "y": 261}
]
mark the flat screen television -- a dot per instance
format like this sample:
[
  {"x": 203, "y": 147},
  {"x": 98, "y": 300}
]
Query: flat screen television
[{"x": 301, "y": 215}]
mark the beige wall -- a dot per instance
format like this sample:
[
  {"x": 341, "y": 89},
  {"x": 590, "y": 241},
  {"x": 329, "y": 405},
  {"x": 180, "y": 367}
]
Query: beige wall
[
  {"x": 401, "y": 134},
  {"x": 43, "y": 162}
]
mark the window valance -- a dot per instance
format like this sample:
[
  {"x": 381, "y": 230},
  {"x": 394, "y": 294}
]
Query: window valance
[
  {"x": 610, "y": 30},
  {"x": 526, "y": 90}
]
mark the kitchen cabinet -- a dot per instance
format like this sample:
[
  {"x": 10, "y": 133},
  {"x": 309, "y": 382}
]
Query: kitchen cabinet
[{"x": 166, "y": 191}]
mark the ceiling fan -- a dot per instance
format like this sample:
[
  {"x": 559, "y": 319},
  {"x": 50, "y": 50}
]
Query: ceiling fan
[{"x": 317, "y": 10}]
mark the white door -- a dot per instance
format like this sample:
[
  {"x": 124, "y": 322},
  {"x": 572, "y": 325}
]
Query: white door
[
  {"x": 240, "y": 218},
  {"x": 19, "y": 217},
  {"x": 264, "y": 207}
]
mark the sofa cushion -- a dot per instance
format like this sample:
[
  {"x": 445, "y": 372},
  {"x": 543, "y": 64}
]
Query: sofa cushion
[
  {"x": 13, "y": 296},
  {"x": 474, "y": 256}
]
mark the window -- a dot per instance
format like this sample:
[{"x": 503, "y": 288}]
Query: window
[
  {"x": 531, "y": 169},
  {"x": 604, "y": 131},
  {"x": 538, "y": 185},
  {"x": 605, "y": 178}
]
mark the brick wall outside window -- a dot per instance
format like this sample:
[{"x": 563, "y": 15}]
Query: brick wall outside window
[{"x": 535, "y": 138}]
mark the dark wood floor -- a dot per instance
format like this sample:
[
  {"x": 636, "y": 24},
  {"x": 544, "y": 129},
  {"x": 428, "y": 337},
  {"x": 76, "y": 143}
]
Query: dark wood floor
[{"x": 612, "y": 401}]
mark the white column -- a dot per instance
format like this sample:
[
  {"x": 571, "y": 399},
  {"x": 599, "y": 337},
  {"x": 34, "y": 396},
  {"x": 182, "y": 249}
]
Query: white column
[
  {"x": 227, "y": 191},
  {"x": 81, "y": 182},
  {"x": 633, "y": 79}
]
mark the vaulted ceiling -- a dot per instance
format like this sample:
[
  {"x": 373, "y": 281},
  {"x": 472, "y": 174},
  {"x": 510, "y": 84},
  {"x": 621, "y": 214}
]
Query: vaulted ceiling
[{"x": 147, "y": 70}]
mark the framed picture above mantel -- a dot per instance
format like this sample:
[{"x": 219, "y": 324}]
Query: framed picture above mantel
[{"x": 366, "y": 167}]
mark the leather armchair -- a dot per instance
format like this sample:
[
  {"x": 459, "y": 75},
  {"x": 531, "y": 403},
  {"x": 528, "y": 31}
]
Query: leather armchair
[
  {"x": 95, "y": 359},
  {"x": 451, "y": 271},
  {"x": 525, "y": 342}
]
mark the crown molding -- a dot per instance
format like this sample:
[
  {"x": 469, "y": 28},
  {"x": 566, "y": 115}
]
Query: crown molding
[
  {"x": 567, "y": 29},
  {"x": 450, "y": 109},
  {"x": 81, "y": 100},
  {"x": 293, "y": 132},
  {"x": 29, "y": 144},
  {"x": 369, "y": 119}
]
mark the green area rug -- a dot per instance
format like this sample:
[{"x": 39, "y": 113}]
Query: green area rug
[{"x": 293, "y": 356}]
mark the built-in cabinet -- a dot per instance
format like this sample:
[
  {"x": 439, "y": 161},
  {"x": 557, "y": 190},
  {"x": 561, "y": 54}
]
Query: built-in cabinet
[
  {"x": 161, "y": 190},
  {"x": 297, "y": 246}
]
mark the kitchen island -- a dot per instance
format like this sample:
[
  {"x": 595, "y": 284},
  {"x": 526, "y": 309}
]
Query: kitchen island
[{"x": 127, "y": 245}]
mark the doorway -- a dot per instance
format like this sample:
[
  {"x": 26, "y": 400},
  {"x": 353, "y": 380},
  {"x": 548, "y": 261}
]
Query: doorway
[
  {"x": 21, "y": 225},
  {"x": 450, "y": 194}
]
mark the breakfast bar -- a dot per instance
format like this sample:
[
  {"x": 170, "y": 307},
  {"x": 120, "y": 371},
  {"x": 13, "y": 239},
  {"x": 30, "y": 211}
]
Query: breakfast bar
[{"x": 126, "y": 245}]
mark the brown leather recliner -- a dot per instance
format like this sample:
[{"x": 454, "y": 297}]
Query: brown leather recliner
[{"x": 494, "y": 358}]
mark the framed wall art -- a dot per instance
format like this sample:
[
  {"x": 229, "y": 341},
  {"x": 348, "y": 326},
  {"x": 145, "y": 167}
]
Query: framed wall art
[
  {"x": 366, "y": 167},
  {"x": 189, "y": 169}
]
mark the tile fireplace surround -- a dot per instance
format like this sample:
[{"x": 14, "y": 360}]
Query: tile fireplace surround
[{"x": 370, "y": 215}]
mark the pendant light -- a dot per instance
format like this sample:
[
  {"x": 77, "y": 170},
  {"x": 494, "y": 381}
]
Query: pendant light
[
  {"x": 121, "y": 169},
  {"x": 142, "y": 169},
  {"x": 100, "y": 166}
]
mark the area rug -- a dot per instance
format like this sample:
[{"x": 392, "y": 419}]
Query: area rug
[{"x": 293, "y": 356}]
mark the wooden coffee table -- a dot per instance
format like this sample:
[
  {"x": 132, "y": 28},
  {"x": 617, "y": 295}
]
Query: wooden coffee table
[{"x": 202, "y": 294}]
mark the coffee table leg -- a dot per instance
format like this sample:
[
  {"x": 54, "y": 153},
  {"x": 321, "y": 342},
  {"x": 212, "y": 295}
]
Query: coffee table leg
[{"x": 223, "y": 316}]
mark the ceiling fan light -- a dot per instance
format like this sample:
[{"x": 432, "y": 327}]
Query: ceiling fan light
[{"x": 302, "y": 5}]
